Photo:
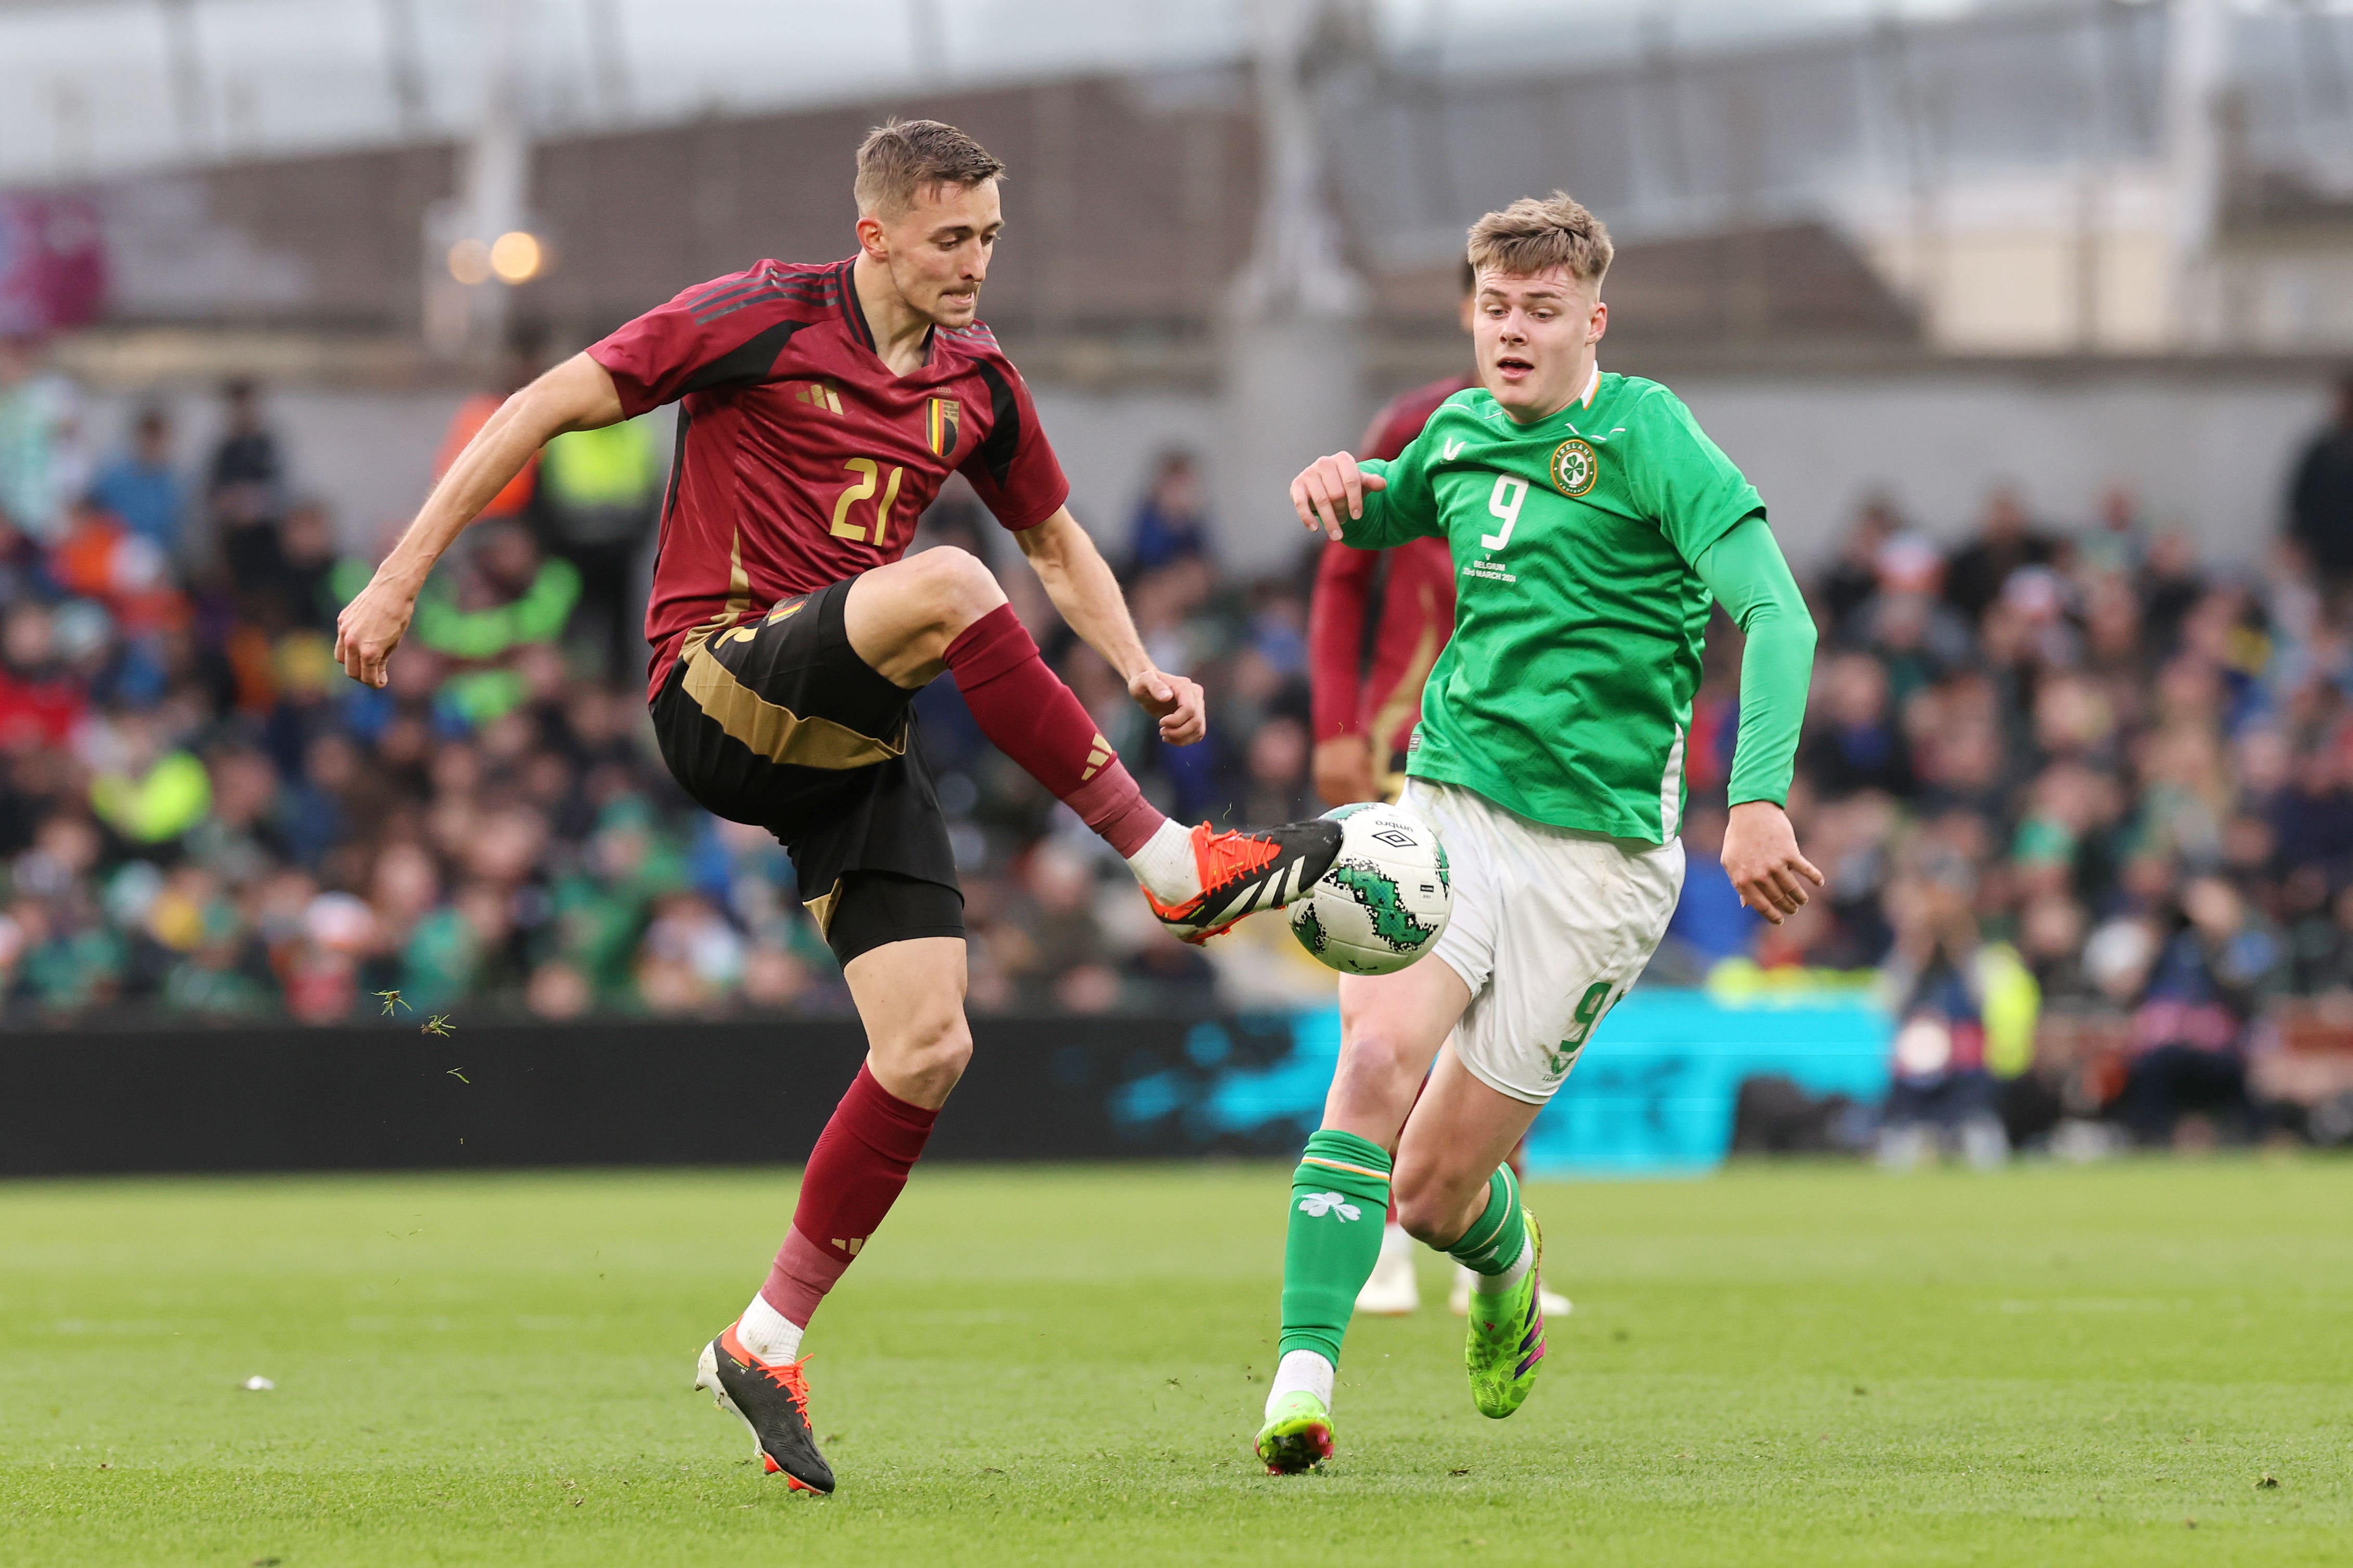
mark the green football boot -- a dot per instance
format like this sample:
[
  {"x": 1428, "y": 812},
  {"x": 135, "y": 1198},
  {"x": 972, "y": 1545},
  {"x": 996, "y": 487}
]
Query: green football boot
[
  {"x": 1297, "y": 1437},
  {"x": 1506, "y": 1344}
]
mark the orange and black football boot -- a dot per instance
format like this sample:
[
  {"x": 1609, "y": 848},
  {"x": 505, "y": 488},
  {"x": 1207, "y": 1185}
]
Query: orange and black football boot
[
  {"x": 1247, "y": 871},
  {"x": 773, "y": 1404}
]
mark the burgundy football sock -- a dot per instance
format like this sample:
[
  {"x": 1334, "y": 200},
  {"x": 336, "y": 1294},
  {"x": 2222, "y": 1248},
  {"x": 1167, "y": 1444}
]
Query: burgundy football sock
[
  {"x": 854, "y": 1175},
  {"x": 1029, "y": 715}
]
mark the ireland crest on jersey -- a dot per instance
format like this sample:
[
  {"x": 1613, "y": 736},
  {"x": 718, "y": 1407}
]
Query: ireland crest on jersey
[{"x": 1573, "y": 468}]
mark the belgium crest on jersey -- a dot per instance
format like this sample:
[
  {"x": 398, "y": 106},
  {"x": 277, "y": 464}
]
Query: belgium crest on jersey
[
  {"x": 940, "y": 418},
  {"x": 1573, "y": 468}
]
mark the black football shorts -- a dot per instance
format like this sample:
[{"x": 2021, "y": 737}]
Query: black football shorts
[{"x": 779, "y": 723}]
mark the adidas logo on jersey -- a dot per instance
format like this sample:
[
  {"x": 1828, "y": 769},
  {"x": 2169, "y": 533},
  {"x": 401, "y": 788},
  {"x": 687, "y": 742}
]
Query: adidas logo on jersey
[{"x": 822, "y": 394}]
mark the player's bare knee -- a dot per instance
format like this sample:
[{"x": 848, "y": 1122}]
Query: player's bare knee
[
  {"x": 956, "y": 587},
  {"x": 1380, "y": 1060},
  {"x": 930, "y": 1057}
]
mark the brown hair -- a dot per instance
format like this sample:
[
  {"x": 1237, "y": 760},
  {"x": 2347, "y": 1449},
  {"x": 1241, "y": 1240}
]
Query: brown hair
[
  {"x": 1531, "y": 237},
  {"x": 900, "y": 157}
]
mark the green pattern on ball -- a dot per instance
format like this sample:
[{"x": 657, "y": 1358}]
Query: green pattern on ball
[
  {"x": 1378, "y": 892},
  {"x": 1445, "y": 882},
  {"x": 1310, "y": 930}
]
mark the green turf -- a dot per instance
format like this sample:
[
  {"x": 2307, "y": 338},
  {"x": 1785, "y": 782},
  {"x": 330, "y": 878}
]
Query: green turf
[{"x": 1807, "y": 1366}]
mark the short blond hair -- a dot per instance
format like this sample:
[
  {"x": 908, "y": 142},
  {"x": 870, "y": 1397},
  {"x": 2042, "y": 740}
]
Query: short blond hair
[
  {"x": 1534, "y": 235},
  {"x": 900, "y": 157}
]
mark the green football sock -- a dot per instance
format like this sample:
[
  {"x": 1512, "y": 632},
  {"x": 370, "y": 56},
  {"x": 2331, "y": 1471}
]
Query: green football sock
[
  {"x": 1493, "y": 1243},
  {"x": 1339, "y": 1198}
]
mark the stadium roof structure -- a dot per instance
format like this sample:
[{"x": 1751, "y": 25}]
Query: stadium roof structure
[
  {"x": 2009, "y": 177},
  {"x": 96, "y": 88}
]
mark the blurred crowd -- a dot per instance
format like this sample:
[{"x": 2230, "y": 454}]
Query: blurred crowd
[
  {"x": 2085, "y": 801},
  {"x": 2086, "y": 808}
]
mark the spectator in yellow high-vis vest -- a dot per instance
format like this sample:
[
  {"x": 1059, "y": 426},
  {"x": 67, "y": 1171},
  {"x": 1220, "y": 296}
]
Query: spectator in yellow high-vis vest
[{"x": 598, "y": 492}]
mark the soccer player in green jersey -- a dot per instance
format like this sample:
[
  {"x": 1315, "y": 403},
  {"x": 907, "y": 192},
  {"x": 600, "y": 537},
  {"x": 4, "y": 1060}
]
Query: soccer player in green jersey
[{"x": 1593, "y": 528}]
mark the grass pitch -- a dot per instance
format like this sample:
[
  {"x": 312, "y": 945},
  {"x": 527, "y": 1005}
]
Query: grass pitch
[{"x": 1807, "y": 1365}]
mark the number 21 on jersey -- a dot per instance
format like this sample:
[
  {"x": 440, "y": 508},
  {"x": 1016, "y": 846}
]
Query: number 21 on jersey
[
  {"x": 870, "y": 474},
  {"x": 1503, "y": 503}
]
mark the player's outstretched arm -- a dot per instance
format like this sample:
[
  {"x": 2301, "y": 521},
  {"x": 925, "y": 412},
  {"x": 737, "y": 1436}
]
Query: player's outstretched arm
[
  {"x": 1745, "y": 571},
  {"x": 1083, "y": 589},
  {"x": 1329, "y": 487},
  {"x": 577, "y": 394}
]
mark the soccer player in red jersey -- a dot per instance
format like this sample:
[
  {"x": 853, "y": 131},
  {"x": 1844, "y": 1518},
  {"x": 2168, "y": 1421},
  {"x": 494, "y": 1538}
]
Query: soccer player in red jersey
[
  {"x": 1367, "y": 703},
  {"x": 822, "y": 406}
]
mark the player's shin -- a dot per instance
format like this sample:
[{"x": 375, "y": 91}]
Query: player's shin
[
  {"x": 1338, "y": 1196},
  {"x": 1029, "y": 715},
  {"x": 855, "y": 1173}
]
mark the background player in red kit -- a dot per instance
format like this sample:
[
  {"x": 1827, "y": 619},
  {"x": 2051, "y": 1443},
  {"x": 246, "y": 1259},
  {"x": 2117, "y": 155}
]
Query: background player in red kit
[
  {"x": 1367, "y": 698},
  {"x": 821, "y": 407},
  {"x": 1375, "y": 627}
]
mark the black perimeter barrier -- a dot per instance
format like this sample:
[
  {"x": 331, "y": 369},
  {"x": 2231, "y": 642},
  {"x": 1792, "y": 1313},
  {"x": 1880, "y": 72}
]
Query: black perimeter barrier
[{"x": 88, "y": 1102}]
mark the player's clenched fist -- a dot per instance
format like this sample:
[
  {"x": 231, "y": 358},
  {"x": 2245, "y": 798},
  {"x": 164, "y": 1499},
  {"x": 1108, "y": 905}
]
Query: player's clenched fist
[
  {"x": 370, "y": 627},
  {"x": 1175, "y": 702},
  {"x": 1329, "y": 485},
  {"x": 1760, "y": 855}
]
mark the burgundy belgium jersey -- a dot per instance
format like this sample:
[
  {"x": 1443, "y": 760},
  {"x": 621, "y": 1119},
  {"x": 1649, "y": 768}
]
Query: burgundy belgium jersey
[{"x": 801, "y": 459}]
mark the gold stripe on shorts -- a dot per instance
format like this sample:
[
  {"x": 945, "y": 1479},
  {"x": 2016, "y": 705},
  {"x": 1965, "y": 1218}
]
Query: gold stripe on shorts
[
  {"x": 821, "y": 908},
  {"x": 775, "y": 732}
]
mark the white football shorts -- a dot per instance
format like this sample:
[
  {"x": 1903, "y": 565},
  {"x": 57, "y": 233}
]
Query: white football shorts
[{"x": 1549, "y": 929}]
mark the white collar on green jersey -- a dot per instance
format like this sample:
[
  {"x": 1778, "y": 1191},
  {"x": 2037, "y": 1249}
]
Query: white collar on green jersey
[{"x": 1592, "y": 386}]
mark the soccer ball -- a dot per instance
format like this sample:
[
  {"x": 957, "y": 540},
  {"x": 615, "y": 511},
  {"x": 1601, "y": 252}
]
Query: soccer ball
[{"x": 1385, "y": 897}]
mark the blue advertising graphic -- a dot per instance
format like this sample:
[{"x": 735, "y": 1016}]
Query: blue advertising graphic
[{"x": 1652, "y": 1093}]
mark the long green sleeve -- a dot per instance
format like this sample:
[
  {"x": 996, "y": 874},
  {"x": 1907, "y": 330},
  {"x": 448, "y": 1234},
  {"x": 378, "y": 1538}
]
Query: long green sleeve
[{"x": 1746, "y": 573}]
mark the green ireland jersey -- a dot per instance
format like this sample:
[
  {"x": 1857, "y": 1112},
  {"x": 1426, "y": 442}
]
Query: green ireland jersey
[{"x": 1565, "y": 691}]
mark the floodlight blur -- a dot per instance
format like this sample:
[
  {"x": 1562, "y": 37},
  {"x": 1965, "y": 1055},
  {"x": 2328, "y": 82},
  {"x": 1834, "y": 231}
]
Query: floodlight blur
[
  {"x": 517, "y": 257},
  {"x": 471, "y": 262}
]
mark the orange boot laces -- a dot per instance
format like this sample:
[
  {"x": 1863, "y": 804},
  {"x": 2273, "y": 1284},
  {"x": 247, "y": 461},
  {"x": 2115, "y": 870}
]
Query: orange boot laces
[{"x": 1218, "y": 858}]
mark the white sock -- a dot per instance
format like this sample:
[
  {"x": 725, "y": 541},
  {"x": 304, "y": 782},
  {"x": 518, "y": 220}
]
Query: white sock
[
  {"x": 1164, "y": 864},
  {"x": 1496, "y": 1284},
  {"x": 768, "y": 1334},
  {"x": 1301, "y": 1369}
]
